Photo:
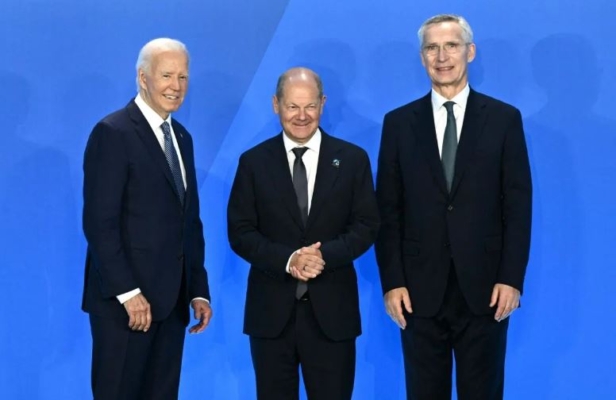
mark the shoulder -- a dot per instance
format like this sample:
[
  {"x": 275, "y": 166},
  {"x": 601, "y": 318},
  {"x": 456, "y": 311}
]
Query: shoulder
[
  {"x": 408, "y": 109},
  {"x": 179, "y": 128},
  {"x": 493, "y": 104},
  {"x": 261, "y": 152},
  {"x": 343, "y": 145}
]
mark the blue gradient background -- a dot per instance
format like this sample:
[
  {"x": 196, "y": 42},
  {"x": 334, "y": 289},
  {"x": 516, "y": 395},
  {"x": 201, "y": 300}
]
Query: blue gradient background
[{"x": 67, "y": 63}]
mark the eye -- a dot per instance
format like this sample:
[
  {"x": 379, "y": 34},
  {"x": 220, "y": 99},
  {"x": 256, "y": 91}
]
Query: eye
[
  {"x": 311, "y": 107},
  {"x": 431, "y": 48},
  {"x": 183, "y": 77},
  {"x": 451, "y": 46}
]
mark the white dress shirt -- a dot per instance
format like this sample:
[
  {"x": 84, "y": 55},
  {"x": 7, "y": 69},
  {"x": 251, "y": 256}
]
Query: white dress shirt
[
  {"x": 155, "y": 121},
  {"x": 440, "y": 114},
  {"x": 310, "y": 159}
]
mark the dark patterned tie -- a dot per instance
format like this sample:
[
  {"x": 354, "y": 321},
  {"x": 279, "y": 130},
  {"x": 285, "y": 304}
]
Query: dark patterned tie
[
  {"x": 173, "y": 161},
  {"x": 450, "y": 145},
  {"x": 300, "y": 183}
]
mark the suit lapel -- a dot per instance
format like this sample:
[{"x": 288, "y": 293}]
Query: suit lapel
[
  {"x": 281, "y": 178},
  {"x": 180, "y": 137},
  {"x": 326, "y": 176},
  {"x": 147, "y": 136},
  {"x": 472, "y": 128},
  {"x": 426, "y": 138}
]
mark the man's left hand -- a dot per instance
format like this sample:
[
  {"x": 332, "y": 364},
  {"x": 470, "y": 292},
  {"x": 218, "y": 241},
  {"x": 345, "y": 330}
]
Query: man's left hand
[
  {"x": 508, "y": 300},
  {"x": 203, "y": 312}
]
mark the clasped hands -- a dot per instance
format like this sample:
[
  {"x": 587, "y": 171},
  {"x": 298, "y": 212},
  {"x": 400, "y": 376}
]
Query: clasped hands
[{"x": 307, "y": 263}]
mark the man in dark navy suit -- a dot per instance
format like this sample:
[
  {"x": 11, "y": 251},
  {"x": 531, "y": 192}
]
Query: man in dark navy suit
[
  {"x": 145, "y": 258},
  {"x": 454, "y": 192},
  {"x": 302, "y": 208}
]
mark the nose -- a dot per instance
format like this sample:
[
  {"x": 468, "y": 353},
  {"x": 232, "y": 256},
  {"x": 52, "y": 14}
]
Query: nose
[
  {"x": 175, "y": 83},
  {"x": 442, "y": 54},
  {"x": 302, "y": 114}
]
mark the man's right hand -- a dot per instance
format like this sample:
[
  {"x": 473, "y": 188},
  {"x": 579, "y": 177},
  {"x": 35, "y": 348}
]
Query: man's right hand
[
  {"x": 393, "y": 305},
  {"x": 139, "y": 313}
]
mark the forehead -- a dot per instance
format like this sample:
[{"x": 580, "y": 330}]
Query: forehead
[
  {"x": 170, "y": 59},
  {"x": 300, "y": 91},
  {"x": 443, "y": 31}
]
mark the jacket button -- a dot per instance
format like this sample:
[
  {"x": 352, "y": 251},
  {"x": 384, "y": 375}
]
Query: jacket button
[{"x": 449, "y": 208}]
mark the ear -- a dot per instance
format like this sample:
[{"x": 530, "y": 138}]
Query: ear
[
  {"x": 323, "y": 99},
  {"x": 423, "y": 59},
  {"x": 142, "y": 77},
  {"x": 275, "y": 104},
  {"x": 472, "y": 51}
]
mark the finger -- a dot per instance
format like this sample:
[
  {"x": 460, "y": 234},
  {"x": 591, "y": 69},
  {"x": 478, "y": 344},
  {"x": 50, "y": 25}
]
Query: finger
[
  {"x": 494, "y": 297},
  {"x": 310, "y": 272},
  {"x": 137, "y": 324},
  {"x": 131, "y": 320},
  {"x": 406, "y": 300},
  {"x": 297, "y": 274},
  {"x": 316, "y": 245},
  {"x": 148, "y": 320},
  {"x": 398, "y": 315},
  {"x": 500, "y": 311}
]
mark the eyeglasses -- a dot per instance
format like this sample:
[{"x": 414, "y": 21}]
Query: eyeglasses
[{"x": 449, "y": 48}]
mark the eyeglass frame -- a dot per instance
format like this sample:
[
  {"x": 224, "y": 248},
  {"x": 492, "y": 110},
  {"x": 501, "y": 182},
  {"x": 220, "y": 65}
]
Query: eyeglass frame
[{"x": 434, "y": 49}]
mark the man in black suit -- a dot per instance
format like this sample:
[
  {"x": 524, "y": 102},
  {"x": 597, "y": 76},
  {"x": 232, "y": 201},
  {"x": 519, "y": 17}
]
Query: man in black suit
[
  {"x": 302, "y": 208},
  {"x": 145, "y": 238},
  {"x": 455, "y": 235}
]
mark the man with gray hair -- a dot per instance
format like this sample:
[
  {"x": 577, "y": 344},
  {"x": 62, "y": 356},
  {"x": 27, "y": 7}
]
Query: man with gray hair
[
  {"x": 145, "y": 257},
  {"x": 454, "y": 191}
]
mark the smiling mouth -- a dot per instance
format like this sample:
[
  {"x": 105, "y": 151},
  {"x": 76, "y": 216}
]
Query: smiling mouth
[{"x": 169, "y": 97}]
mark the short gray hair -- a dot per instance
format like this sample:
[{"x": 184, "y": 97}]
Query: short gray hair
[
  {"x": 467, "y": 32},
  {"x": 282, "y": 80},
  {"x": 153, "y": 47}
]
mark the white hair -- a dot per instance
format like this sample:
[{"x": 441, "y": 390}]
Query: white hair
[
  {"x": 467, "y": 32},
  {"x": 152, "y": 48}
]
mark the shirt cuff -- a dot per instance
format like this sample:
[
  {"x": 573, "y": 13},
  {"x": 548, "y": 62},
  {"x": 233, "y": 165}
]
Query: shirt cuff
[
  {"x": 288, "y": 267},
  {"x": 123, "y": 298},
  {"x": 200, "y": 298}
]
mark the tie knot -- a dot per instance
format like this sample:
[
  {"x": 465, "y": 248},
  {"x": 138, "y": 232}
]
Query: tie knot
[
  {"x": 165, "y": 128},
  {"x": 299, "y": 151},
  {"x": 449, "y": 106}
]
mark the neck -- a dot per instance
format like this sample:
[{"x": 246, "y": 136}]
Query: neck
[{"x": 449, "y": 91}]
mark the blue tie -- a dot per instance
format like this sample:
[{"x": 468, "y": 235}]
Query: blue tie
[
  {"x": 174, "y": 163},
  {"x": 450, "y": 145}
]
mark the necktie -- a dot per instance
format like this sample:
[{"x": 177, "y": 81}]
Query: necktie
[
  {"x": 174, "y": 163},
  {"x": 300, "y": 183},
  {"x": 450, "y": 144}
]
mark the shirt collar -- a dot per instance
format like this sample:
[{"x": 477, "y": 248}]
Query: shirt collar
[
  {"x": 150, "y": 115},
  {"x": 313, "y": 144},
  {"x": 460, "y": 99}
]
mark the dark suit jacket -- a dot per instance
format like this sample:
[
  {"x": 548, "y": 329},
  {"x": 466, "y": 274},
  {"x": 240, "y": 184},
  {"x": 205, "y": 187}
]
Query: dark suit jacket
[
  {"x": 265, "y": 228},
  {"x": 483, "y": 225},
  {"x": 138, "y": 233}
]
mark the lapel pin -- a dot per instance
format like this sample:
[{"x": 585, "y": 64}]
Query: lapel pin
[{"x": 336, "y": 163}]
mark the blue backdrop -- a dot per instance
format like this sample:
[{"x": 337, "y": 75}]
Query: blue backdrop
[{"x": 67, "y": 63}]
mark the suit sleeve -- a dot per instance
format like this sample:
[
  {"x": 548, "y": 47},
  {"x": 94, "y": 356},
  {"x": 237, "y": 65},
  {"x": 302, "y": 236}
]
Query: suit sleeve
[
  {"x": 242, "y": 226},
  {"x": 390, "y": 201},
  {"x": 517, "y": 206},
  {"x": 198, "y": 285},
  {"x": 363, "y": 225},
  {"x": 105, "y": 176}
]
